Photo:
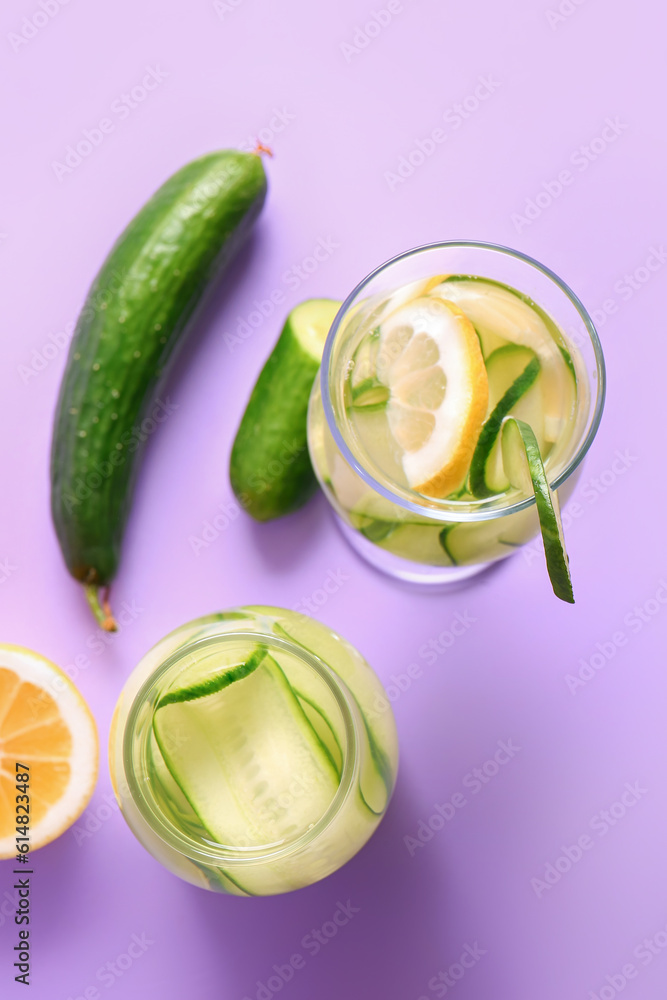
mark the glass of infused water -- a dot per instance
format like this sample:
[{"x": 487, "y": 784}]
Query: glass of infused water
[
  {"x": 459, "y": 380},
  {"x": 253, "y": 751}
]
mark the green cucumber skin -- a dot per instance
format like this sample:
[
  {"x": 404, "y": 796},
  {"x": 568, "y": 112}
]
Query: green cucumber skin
[
  {"x": 558, "y": 565},
  {"x": 137, "y": 312},
  {"x": 215, "y": 684},
  {"x": 492, "y": 426},
  {"x": 270, "y": 469}
]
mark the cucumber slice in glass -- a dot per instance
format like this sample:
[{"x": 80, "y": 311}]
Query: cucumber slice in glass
[
  {"x": 417, "y": 543},
  {"x": 466, "y": 542},
  {"x": 364, "y": 361},
  {"x": 324, "y": 729},
  {"x": 237, "y": 753},
  {"x": 514, "y": 371},
  {"x": 502, "y": 315},
  {"x": 375, "y": 772}
]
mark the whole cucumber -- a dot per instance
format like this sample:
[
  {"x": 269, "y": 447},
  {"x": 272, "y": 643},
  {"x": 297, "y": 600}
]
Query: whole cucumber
[
  {"x": 137, "y": 312},
  {"x": 270, "y": 468}
]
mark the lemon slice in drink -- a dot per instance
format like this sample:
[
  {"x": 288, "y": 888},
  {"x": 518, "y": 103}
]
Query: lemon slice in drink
[
  {"x": 48, "y": 734},
  {"x": 430, "y": 359}
]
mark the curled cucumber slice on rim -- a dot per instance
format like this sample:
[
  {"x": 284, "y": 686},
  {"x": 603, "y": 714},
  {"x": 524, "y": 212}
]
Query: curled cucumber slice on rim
[{"x": 525, "y": 469}]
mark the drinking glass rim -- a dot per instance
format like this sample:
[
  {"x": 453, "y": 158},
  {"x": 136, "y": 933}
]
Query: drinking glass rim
[
  {"x": 447, "y": 510},
  {"x": 226, "y": 855}
]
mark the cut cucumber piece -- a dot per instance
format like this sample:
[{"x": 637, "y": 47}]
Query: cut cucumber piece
[
  {"x": 270, "y": 469},
  {"x": 311, "y": 321},
  {"x": 237, "y": 755},
  {"x": 523, "y": 462},
  {"x": 487, "y": 475}
]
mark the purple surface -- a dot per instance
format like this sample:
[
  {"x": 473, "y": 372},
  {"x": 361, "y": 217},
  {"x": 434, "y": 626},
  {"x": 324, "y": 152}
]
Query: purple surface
[{"x": 347, "y": 118}]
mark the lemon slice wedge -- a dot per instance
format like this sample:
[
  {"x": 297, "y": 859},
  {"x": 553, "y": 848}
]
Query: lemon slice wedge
[
  {"x": 430, "y": 359},
  {"x": 45, "y": 726}
]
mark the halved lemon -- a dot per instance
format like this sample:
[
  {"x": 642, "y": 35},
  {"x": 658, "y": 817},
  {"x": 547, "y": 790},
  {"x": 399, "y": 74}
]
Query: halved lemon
[
  {"x": 45, "y": 725},
  {"x": 429, "y": 357}
]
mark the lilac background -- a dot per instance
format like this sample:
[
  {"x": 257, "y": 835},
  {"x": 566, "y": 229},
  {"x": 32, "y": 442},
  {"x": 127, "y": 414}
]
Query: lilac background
[{"x": 505, "y": 678}]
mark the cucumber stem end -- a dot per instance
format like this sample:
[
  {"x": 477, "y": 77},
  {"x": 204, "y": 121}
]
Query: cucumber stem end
[
  {"x": 261, "y": 148},
  {"x": 99, "y": 605}
]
